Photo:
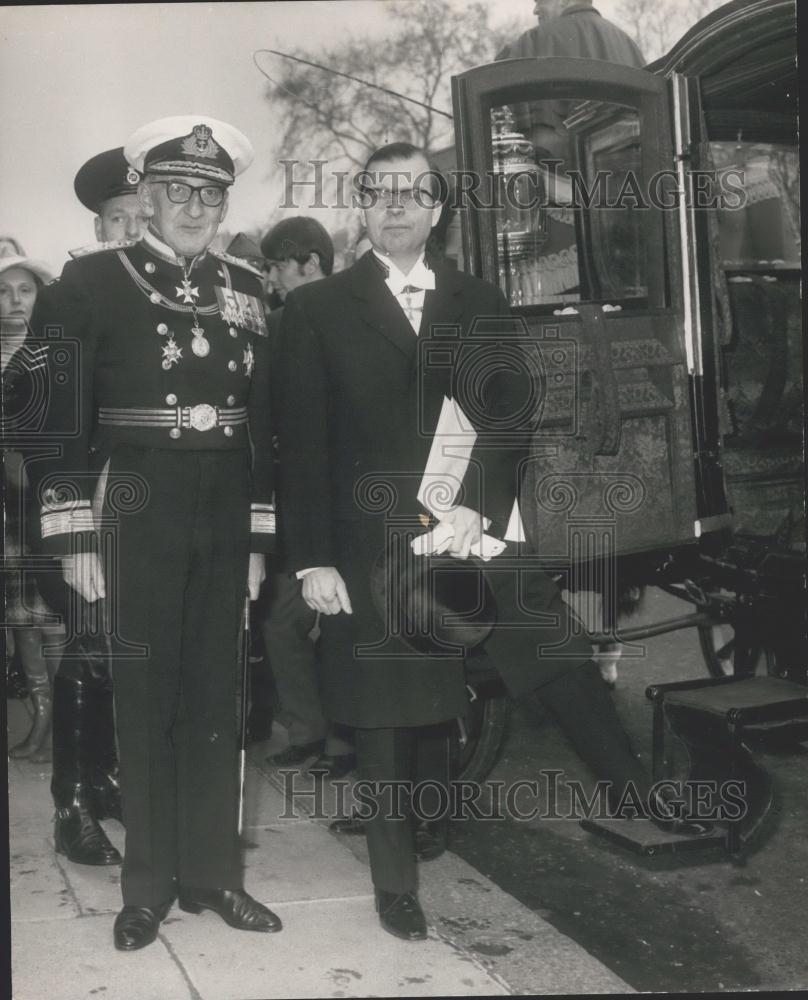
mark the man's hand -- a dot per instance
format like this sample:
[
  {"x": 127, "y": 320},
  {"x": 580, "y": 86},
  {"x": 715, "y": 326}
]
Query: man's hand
[
  {"x": 256, "y": 574},
  {"x": 324, "y": 590},
  {"x": 85, "y": 575},
  {"x": 468, "y": 529}
]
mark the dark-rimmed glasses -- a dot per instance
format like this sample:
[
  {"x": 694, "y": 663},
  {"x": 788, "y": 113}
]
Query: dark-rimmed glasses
[{"x": 211, "y": 195}]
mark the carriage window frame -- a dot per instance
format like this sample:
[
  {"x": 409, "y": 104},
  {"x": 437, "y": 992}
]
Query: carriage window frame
[{"x": 588, "y": 83}]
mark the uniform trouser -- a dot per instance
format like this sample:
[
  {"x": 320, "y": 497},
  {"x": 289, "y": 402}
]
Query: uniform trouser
[
  {"x": 577, "y": 696},
  {"x": 179, "y": 584},
  {"x": 286, "y": 627}
]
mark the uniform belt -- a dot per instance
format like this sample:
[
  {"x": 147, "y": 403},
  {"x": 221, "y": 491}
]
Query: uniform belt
[{"x": 202, "y": 417}]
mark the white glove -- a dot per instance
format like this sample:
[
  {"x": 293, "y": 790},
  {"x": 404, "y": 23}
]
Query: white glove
[{"x": 439, "y": 538}]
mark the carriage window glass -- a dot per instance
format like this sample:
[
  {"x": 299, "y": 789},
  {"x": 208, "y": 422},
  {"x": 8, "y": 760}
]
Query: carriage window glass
[
  {"x": 612, "y": 168},
  {"x": 555, "y": 247},
  {"x": 759, "y": 215}
]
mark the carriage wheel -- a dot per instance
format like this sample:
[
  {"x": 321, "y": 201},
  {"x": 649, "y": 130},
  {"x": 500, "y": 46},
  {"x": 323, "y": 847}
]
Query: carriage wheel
[
  {"x": 718, "y": 648},
  {"x": 485, "y": 722}
]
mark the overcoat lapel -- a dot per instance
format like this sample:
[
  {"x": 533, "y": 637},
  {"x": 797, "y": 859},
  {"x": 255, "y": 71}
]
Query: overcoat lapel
[
  {"x": 443, "y": 307},
  {"x": 378, "y": 309}
]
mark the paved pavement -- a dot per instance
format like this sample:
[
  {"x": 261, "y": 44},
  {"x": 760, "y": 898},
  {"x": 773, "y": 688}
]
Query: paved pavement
[{"x": 482, "y": 942}]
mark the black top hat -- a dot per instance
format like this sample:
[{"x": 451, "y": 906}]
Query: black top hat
[{"x": 436, "y": 603}]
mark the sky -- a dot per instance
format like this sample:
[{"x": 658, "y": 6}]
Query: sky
[{"x": 75, "y": 80}]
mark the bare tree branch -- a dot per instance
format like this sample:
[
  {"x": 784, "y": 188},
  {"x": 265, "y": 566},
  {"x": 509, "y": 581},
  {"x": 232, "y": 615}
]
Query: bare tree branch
[{"x": 427, "y": 43}]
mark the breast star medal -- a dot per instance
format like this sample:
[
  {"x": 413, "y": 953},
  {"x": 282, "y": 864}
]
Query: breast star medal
[
  {"x": 187, "y": 291},
  {"x": 171, "y": 354}
]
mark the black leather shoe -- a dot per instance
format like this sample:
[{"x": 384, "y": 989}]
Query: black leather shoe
[
  {"x": 333, "y": 765},
  {"x": 78, "y": 835},
  {"x": 137, "y": 926},
  {"x": 401, "y": 914},
  {"x": 236, "y": 907},
  {"x": 430, "y": 839},
  {"x": 296, "y": 753}
]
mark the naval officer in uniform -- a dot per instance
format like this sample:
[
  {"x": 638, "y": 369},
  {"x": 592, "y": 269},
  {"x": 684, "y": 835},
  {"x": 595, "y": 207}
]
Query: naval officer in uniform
[{"x": 165, "y": 378}]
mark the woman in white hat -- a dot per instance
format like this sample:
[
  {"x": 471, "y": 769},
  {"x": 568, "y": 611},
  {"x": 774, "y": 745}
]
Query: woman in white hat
[{"x": 23, "y": 379}]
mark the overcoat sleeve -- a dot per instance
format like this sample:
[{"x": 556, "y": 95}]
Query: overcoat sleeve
[{"x": 501, "y": 403}]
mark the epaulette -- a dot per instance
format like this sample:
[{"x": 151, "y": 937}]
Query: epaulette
[
  {"x": 228, "y": 258},
  {"x": 92, "y": 248}
]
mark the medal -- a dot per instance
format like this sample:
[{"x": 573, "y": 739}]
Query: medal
[
  {"x": 199, "y": 345},
  {"x": 171, "y": 354}
]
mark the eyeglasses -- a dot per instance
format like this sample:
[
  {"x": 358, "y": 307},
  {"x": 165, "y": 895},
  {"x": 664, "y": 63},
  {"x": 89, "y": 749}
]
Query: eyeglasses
[
  {"x": 406, "y": 198},
  {"x": 179, "y": 193}
]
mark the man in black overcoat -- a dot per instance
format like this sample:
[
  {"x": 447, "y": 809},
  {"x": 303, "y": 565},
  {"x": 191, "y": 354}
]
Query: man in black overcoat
[{"x": 360, "y": 405}]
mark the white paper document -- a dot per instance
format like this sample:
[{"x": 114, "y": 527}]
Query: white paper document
[{"x": 446, "y": 466}]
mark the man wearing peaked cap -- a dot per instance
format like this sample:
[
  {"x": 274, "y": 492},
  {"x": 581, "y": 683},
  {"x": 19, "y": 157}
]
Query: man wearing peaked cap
[
  {"x": 160, "y": 506},
  {"x": 107, "y": 185},
  {"x": 194, "y": 145}
]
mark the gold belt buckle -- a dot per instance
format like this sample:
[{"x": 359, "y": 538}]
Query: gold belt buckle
[{"x": 202, "y": 417}]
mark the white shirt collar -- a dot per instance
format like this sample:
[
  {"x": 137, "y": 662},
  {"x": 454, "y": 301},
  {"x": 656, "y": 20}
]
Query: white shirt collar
[
  {"x": 419, "y": 276},
  {"x": 156, "y": 245}
]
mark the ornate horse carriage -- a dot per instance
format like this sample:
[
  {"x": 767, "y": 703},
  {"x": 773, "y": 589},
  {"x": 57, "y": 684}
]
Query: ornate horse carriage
[{"x": 645, "y": 224}]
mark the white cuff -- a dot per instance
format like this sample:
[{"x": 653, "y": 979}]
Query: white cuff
[{"x": 305, "y": 572}]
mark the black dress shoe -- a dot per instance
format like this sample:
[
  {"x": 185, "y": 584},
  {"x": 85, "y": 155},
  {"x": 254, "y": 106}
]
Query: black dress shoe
[
  {"x": 78, "y": 835},
  {"x": 333, "y": 765},
  {"x": 401, "y": 914},
  {"x": 137, "y": 926},
  {"x": 236, "y": 907},
  {"x": 296, "y": 753},
  {"x": 430, "y": 839}
]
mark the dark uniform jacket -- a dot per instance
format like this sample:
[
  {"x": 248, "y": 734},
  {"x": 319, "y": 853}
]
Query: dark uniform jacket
[
  {"x": 121, "y": 356},
  {"x": 360, "y": 402}
]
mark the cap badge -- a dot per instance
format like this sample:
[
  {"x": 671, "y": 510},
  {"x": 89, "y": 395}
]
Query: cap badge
[
  {"x": 200, "y": 142},
  {"x": 132, "y": 176}
]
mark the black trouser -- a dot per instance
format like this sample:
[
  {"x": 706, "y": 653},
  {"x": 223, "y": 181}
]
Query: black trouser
[
  {"x": 286, "y": 623},
  {"x": 179, "y": 586},
  {"x": 388, "y": 756},
  {"x": 580, "y": 701}
]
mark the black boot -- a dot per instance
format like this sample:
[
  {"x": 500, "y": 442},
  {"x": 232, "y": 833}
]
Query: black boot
[
  {"x": 103, "y": 753},
  {"x": 37, "y": 744},
  {"x": 77, "y": 833}
]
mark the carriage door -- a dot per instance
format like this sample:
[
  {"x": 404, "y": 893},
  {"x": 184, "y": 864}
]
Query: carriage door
[{"x": 575, "y": 218}]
